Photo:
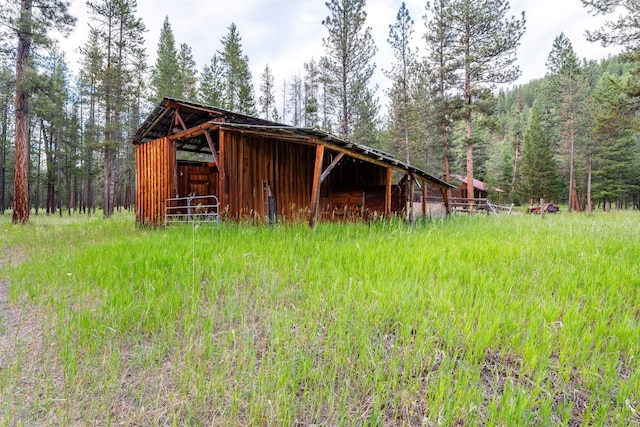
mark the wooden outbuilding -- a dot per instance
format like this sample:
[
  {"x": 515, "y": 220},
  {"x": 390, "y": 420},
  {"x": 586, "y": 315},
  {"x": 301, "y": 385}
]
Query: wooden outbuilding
[
  {"x": 260, "y": 170},
  {"x": 480, "y": 189}
]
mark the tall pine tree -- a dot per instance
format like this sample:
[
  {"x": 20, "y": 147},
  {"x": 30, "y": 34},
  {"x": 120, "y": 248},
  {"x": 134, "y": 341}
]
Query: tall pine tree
[
  {"x": 400, "y": 34},
  {"x": 617, "y": 141},
  {"x": 565, "y": 74},
  {"x": 6, "y": 96},
  {"x": 294, "y": 101},
  {"x": 267, "y": 98},
  {"x": 347, "y": 66},
  {"x": 442, "y": 64},
  {"x": 538, "y": 170},
  {"x": 164, "y": 75},
  {"x": 238, "y": 91},
  {"x": 488, "y": 40},
  {"x": 119, "y": 35},
  {"x": 311, "y": 87},
  {"x": 31, "y": 25},
  {"x": 212, "y": 84},
  {"x": 187, "y": 74},
  {"x": 625, "y": 32},
  {"x": 90, "y": 92}
]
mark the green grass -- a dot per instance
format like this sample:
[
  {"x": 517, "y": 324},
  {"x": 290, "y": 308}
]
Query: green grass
[{"x": 517, "y": 320}]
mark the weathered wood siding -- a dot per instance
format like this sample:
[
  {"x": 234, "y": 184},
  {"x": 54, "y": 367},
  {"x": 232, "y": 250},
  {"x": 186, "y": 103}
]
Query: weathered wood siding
[
  {"x": 354, "y": 188},
  {"x": 252, "y": 161},
  {"x": 199, "y": 179},
  {"x": 155, "y": 179}
]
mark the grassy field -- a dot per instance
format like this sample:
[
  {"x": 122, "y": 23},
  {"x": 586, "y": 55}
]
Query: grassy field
[{"x": 520, "y": 320}]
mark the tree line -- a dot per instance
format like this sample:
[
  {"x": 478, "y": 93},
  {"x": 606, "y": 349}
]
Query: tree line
[{"x": 571, "y": 136}]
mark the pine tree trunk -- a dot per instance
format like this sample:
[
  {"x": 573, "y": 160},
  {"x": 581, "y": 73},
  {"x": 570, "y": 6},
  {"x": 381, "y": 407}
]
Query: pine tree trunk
[
  {"x": 571, "y": 156},
  {"x": 109, "y": 148},
  {"x": 469, "y": 102},
  {"x": 38, "y": 174},
  {"x": 48, "y": 150},
  {"x": 108, "y": 187},
  {"x": 470, "y": 192},
  {"x": 3, "y": 158},
  {"x": 345, "y": 107},
  {"x": 515, "y": 170},
  {"x": 21, "y": 182}
]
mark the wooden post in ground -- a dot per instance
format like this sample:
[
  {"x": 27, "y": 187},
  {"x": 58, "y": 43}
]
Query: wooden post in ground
[
  {"x": 424, "y": 198},
  {"x": 387, "y": 194},
  {"x": 221, "y": 173},
  {"x": 315, "y": 190},
  {"x": 412, "y": 184},
  {"x": 445, "y": 199}
]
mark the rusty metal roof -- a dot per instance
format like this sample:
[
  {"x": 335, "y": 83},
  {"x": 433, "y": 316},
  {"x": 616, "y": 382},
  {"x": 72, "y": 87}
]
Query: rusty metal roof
[
  {"x": 477, "y": 184},
  {"x": 159, "y": 122}
]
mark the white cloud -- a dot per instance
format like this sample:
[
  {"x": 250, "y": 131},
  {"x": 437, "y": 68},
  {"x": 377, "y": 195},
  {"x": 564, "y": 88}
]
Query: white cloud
[{"x": 287, "y": 33}]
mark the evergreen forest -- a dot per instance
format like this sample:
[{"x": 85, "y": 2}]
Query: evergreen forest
[{"x": 570, "y": 137}]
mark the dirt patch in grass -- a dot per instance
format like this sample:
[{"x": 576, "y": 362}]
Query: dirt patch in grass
[
  {"x": 11, "y": 316},
  {"x": 498, "y": 369},
  {"x": 23, "y": 355}
]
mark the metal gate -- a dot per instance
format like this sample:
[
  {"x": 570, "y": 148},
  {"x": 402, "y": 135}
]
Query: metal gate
[{"x": 191, "y": 209}]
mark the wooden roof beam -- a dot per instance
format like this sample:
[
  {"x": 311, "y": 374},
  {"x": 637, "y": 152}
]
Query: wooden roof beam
[
  {"x": 194, "y": 131},
  {"x": 178, "y": 120},
  {"x": 155, "y": 122},
  {"x": 213, "y": 150},
  {"x": 329, "y": 168}
]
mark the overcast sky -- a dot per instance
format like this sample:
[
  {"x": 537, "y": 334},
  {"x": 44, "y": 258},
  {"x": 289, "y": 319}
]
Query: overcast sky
[{"x": 287, "y": 33}]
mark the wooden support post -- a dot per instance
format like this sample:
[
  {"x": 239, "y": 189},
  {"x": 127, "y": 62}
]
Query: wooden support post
[
  {"x": 221, "y": 174},
  {"x": 387, "y": 194},
  {"x": 173, "y": 165},
  {"x": 212, "y": 148},
  {"x": 315, "y": 190},
  {"x": 412, "y": 183},
  {"x": 445, "y": 198},
  {"x": 424, "y": 198}
]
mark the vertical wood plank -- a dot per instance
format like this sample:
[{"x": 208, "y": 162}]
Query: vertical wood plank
[
  {"x": 154, "y": 183},
  {"x": 145, "y": 186},
  {"x": 155, "y": 171},
  {"x": 165, "y": 177},
  {"x": 146, "y": 196},
  {"x": 162, "y": 177},
  {"x": 136, "y": 150},
  {"x": 150, "y": 195}
]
